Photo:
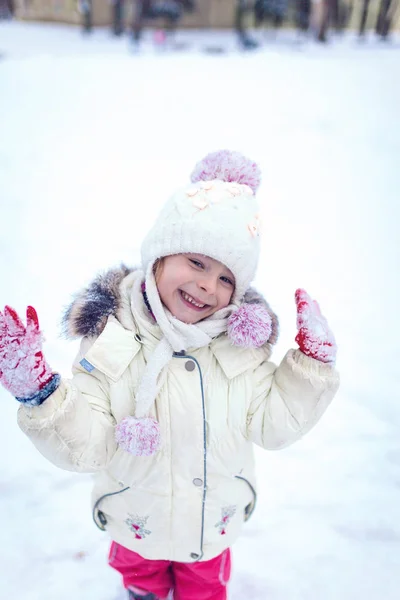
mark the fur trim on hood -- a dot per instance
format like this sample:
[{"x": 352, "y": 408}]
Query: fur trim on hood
[{"x": 88, "y": 313}]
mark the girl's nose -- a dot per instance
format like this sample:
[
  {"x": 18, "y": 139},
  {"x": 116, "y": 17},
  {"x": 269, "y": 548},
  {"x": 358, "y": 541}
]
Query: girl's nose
[{"x": 209, "y": 285}]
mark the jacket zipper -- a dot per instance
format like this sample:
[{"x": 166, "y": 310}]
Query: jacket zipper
[{"x": 203, "y": 405}]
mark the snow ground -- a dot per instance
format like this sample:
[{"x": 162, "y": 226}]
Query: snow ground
[{"x": 92, "y": 139}]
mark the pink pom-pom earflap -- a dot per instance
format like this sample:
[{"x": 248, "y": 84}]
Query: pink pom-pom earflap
[
  {"x": 229, "y": 166},
  {"x": 140, "y": 437},
  {"x": 250, "y": 326}
]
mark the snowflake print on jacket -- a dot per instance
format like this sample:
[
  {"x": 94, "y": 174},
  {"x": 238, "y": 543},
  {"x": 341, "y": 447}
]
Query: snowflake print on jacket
[
  {"x": 226, "y": 516},
  {"x": 136, "y": 525}
]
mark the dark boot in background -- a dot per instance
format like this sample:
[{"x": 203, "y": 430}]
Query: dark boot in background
[{"x": 137, "y": 596}]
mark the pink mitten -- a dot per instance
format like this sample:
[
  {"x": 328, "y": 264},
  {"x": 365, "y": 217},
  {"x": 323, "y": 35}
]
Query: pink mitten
[
  {"x": 314, "y": 338},
  {"x": 23, "y": 369}
]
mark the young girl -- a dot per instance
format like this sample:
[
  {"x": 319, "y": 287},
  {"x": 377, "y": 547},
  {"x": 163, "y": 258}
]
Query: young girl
[{"x": 173, "y": 385}]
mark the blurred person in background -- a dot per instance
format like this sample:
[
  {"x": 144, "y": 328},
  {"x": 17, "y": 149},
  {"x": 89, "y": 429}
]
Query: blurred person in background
[
  {"x": 168, "y": 11},
  {"x": 117, "y": 16},
  {"x": 243, "y": 9},
  {"x": 173, "y": 385},
  {"x": 85, "y": 9},
  {"x": 270, "y": 11},
  {"x": 6, "y": 9},
  {"x": 386, "y": 12},
  {"x": 303, "y": 14},
  {"x": 263, "y": 12},
  {"x": 327, "y": 13}
]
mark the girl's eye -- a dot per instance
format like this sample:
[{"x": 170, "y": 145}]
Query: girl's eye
[
  {"x": 196, "y": 262},
  {"x": 227, "y": 280}
]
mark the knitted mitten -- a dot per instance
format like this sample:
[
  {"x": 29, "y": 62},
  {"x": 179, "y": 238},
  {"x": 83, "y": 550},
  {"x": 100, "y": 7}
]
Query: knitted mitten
[
  {"x": 23, "y": 369},
  {"x": 314, "y": 338}
]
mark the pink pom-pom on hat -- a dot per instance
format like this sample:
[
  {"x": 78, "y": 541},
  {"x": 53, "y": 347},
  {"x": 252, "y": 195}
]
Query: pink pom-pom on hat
[
  {"x": 140, "y": 437},
  {"x": 250, "y": 326},
  {"x": 229, "y": 166}
]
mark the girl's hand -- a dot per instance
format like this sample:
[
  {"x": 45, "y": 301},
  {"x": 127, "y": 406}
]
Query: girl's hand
[
  {"x": 23, "y": 369},
  {"x": 314, "y": 338}
]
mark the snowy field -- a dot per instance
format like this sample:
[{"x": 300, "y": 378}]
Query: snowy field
[{"x": 93, "y": 138}]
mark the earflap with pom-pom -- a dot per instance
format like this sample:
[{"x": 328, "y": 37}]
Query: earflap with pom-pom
[
  {"x": 140, "y": 437},
  {"x": 250, "y": 326},
  {"x": 228, "y": 166}
]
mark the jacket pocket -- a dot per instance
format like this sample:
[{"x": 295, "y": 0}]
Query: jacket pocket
[
  {"x": 250, "y": 507},
  {"x": 98, "y": 516}
]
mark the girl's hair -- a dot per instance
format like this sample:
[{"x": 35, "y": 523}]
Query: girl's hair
[{"x": 157, "y": 268}]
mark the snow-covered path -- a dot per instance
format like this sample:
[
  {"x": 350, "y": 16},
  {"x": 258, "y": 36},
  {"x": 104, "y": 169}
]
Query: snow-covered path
[{"x": 92, "y": 139}]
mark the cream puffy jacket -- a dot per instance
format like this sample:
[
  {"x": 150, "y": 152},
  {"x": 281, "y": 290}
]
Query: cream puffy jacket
[{"x": 188, "y": 502}]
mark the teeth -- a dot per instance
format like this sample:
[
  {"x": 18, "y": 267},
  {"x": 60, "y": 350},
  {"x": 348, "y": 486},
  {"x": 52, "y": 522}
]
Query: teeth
[{"x": 190, "y": 299}]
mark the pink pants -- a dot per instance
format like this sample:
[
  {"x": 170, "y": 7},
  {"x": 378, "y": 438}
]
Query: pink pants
[{"x": 205, "y": 580}]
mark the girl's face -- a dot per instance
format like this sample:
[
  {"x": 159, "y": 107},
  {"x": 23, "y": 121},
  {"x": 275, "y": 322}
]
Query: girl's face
[{"x": 193, "y": 286}]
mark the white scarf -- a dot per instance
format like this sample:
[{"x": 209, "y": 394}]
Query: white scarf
[{"x": 178, "y": 337}]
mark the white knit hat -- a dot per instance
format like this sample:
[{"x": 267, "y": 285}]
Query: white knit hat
[{"x": 217, "y": 216}]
